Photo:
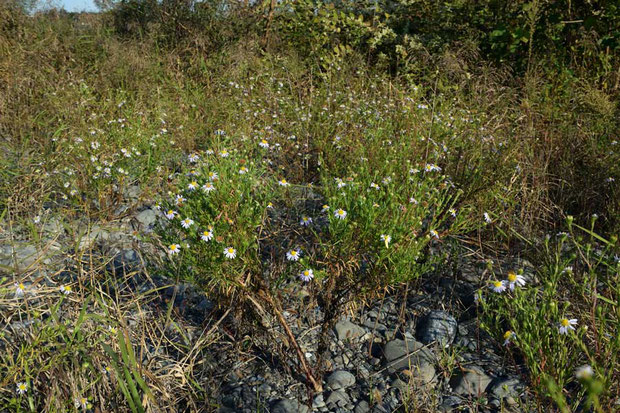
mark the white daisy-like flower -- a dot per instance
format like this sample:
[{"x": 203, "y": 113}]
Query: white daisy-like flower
[
  {"x": 243, "y": 170},
  {"x": 452, "y": 212},
  {"x": 340, "y": 213},
  {"x": 434, "y": 234},
  {"x": 263, "y": 143},
  {"x": 374, "y": 186},
  {"x": 224, "y": 153},
  {"x": 567, "y": 324},
  {"x": 20, "y": 290},
  {"x": 270, "y": 205},
  {"x": 170, "y": 214},
  {"x": 487, "y": 218},
  {"x": 192, "y": 186},
  {"x": 207, "y": 235},
  {"x": 179, "y": 199},
  {"x": 325, "y": 208},
  {"x": 193, "y": 158},
  {"x": 208, "y": 187},
  {"x": 212, "y": 176},
  {"x": 81, "y": 402},
  {"x": 306, "y": 275},
  {"x": 514, "y": 280},
  {"x": 305, "y": 221},
  {"x": 65, "y": 289},
  {"x": 498, "y": 286},
  {"x": 174, "y": 249},
  {"x": 283, "y": 182},
  {"x": 509, "y": 336},
  {"x": 340, "y": 183},
  {"x": 293, "y": 255},
  {"x": 386, "y": 239},
  {"x": 584, "y": 372},
  {"x": 230, "y": 252},
  {"x": 209, "y": 152},
  {"x": 187, "y": 222},
  {"x": 36, "y": 219},
  {"x": 413, "y": 201},
  {"x": 22, "y": 388}
]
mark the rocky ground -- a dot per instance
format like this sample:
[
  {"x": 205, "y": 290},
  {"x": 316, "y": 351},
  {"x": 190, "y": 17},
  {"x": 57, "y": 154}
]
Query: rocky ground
[{"x": 415, "y": 349}]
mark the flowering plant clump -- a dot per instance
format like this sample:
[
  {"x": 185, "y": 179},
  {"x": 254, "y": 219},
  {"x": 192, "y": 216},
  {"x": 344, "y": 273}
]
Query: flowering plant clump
[
  {"x": 210, "y": 221},
  {"x": 565, "y": 326},
  {"x": 381, "y": 230}
]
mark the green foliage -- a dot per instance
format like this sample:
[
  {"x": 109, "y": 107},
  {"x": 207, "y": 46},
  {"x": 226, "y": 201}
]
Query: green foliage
[
  {"x": 226, "y": 198},
  {"x": 577, "y": 279}
]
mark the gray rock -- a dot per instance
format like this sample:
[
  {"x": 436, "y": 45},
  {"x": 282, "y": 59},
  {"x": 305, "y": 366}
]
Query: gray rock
[
  {"x": 337, "y": 398},
  {"x": 410, "y": 355},
  {"x": 53, "y": 226},
  {"x": 132, "y": 192},
  {"x": 289, "y": 406},
  {"x": 362, "y": 407},
  {"x": 147, "y": 218},
  {"x": 471, "y": 382},
  {"x": 437, "y": 326},
  {"x": 318, "y": 401},
  {"x": 93, "y": 235},
  {"x": 347, "y": 330},
  {"x": 340, "y": 379},
  {"x": 21, "y": 255},
  {"x": 400, "y": 385},
  {"x": 507, "y": 389},
  {"x": 424, "y": 373},
  {"x": 449, "y": 404}
]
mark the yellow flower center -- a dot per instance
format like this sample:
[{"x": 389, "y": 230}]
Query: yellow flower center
[
  {"x": 22, "y": 387},
  {"x": 564, "y": 322},
  {"x": 497, "y": 284},
  {"x": 21, "y": 286},
  {"x": 173, "y": 247},
  {"x": 283, "y": 181},
  {"x": 293, "y": 253},
  {"x": 340, "y": 212},
  {"x": 230, "y": 250},
  {"x": 170, "y": 212},
  {"x": 306, "y": 273},
  {"x": 512, "y": 277},
  {"x": 507, "y": 335},
  {"x": 263, "y": 141}
]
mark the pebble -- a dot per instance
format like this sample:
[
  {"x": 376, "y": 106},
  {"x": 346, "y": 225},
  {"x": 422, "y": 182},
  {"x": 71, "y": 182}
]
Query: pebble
[
  {"x": 362, "y": 407},
  {"x": 437, "y": 326},
  {"x": 471, "y": 382},
  {"x": 289, "y": 406},
  {"x": 346, "y": 330},
  {"x": 340, "y": 379},
  {"x": 410, "y": 355}
]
